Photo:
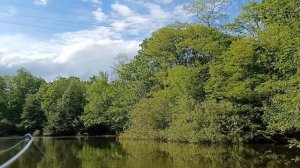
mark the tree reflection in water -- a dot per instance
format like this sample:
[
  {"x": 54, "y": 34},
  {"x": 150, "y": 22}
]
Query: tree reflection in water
[{"x": 106, "y": 153}]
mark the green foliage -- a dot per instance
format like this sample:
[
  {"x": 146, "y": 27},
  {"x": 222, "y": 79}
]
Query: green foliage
[
  {"x": 184, "y": 126},
  {"x": 225, "y": 122},
  {"x": 18, "y": 88},
  {"x": 14, "y": 91},
  {"x": 248, "y": 88},
  {"x": 281, "y": 12},
  {"x": 234, "y": 77},
  {"x": 99, "y": 97},
  {"x": 125, "y": 96},
  {"x": 63, "y": 103},
  {"x": 282, "y": 113},
  {"x": 3, "y": 97},
  {"x": 295, "y": 144},
  {"x": 150, "y": 117},
  {"x": 191, "y": 45},
  {"x": 6, "y": 127},
  {"x": 258, "y": 15},
  {"x": 33, "y": 118},
  {"x": 187, "y": 81}
]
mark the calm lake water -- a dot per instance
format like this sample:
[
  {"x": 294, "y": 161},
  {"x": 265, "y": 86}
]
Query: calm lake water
[{"x": 110, "y": 153}]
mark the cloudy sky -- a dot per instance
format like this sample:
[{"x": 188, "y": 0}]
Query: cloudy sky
[{"x": 54, "y": 38}]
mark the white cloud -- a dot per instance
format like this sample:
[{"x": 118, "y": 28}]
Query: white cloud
[
  {"x": 156, "y": 11},
  {"x": 99, "y": 15},
  {"x": 40, "y": 2},
  {"x": 82, "y": 53},
  {"x": 122, "y": 9},
  {"x": 85, "y": 53},
  {"x": 152, "y": 18}
]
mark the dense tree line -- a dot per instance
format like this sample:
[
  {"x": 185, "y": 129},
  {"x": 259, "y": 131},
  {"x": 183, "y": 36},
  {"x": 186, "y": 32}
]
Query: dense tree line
[{"x": 190, "y": 83}]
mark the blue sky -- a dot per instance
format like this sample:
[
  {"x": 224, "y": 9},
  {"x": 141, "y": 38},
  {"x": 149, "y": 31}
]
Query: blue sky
[{"x": 81, "y": 37}]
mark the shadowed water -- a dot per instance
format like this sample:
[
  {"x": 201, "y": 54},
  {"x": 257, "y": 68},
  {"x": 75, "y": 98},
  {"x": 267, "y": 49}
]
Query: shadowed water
[{"x": 110, "y": 153}]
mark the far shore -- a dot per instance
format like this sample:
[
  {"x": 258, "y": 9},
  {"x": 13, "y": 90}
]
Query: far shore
[{"x": 57, "y": 137}]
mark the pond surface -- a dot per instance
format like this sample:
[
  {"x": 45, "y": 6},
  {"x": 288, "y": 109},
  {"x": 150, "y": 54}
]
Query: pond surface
[{"x": 111, "y": 153}]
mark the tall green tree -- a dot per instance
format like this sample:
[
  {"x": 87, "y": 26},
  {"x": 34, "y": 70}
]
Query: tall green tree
[
  {"x": 99, "y": 99},
  {"x": 33, "y": 117},
  {"x": 18, "y": 88},
  {"x": 5, "y": 125},
  {"x": 63, "y": 103},
  {"x": 3, "y": 102},
  {"x": 257, "y": 15}
]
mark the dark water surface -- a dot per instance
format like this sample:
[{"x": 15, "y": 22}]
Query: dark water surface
[{"x": 110, "y": 153}]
